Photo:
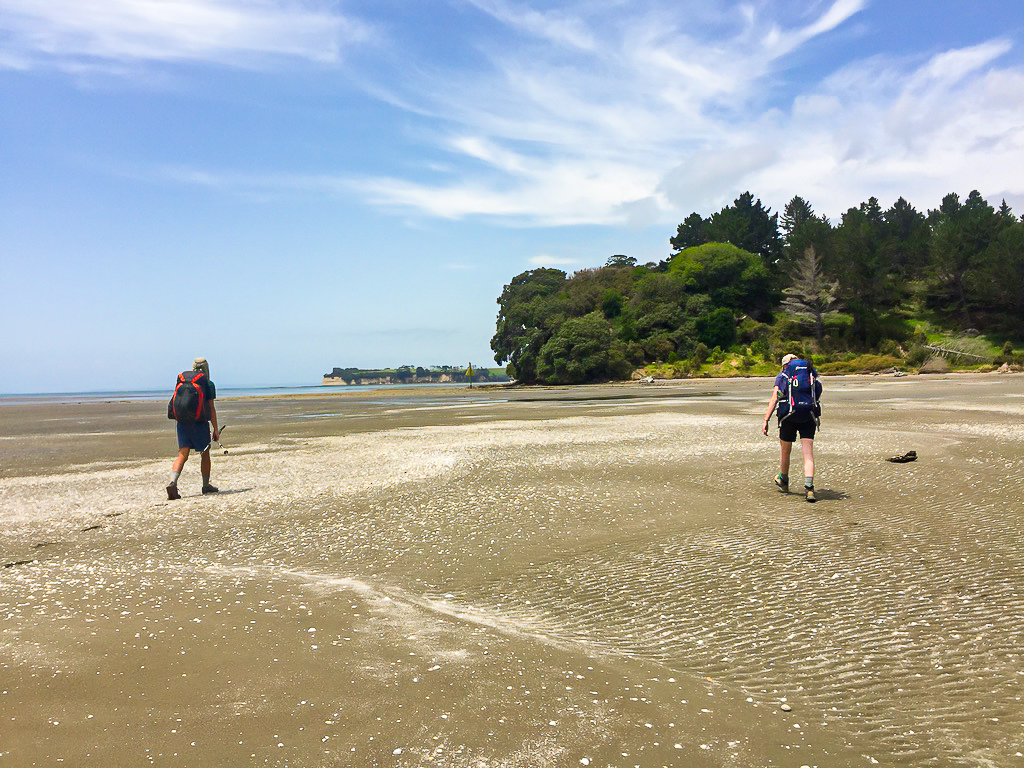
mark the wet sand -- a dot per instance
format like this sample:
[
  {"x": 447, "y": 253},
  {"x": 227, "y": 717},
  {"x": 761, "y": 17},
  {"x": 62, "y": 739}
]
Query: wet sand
[{"x": 599, "y": 576}]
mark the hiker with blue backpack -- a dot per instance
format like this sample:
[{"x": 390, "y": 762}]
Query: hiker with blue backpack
[
  {"x": 192, "y": 407},
  {"x": 796, "y": 400}
]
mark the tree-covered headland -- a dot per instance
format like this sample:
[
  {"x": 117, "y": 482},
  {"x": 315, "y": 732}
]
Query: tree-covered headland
[
  {"x": 879, "y": 289},
  {"x": 409, "y": 374}
]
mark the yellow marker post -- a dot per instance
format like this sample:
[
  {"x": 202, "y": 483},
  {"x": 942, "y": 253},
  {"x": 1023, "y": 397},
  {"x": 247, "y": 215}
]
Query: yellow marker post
[{"x": 469, "y": 375}]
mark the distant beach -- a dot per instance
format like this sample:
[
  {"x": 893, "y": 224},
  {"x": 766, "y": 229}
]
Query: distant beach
[{"x": 599, "y": 575}]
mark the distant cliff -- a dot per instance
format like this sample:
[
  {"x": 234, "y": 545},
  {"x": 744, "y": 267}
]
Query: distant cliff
[{"x": 408, "y": 374}]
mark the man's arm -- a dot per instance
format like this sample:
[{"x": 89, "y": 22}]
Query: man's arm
[{"x": 213, "y": 419}]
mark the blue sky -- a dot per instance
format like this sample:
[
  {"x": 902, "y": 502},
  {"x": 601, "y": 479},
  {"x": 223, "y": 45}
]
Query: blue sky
[{"x": 284, "y": 186}]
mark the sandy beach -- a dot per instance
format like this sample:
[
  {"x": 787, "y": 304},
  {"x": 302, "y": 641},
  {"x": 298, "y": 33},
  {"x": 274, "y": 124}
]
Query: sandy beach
[{"x": 600, "y": 576}]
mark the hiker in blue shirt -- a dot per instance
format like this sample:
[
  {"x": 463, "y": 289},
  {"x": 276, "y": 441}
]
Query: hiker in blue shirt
[
  {"x": 193, "y": 429},
  {"x": 795, "y": 398}
]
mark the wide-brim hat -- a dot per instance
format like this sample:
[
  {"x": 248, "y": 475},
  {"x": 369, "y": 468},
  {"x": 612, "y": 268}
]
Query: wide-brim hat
[
  {"x": 787, "y": 358},
  {"x": 200, "y": 364}
]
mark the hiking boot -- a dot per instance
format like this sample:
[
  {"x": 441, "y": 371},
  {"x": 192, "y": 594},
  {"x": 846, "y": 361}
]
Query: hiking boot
[
  {"x": 783, "y": 484},
  {"x": 207, "y": 488},
  {"x": 810, "y": 494},
  {"x": 172, "y": 492}
]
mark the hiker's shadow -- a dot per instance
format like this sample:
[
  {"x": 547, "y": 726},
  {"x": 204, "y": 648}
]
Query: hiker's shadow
[
  {"x": 827, "y": 494},
  {"x": 230, "y": 491}
]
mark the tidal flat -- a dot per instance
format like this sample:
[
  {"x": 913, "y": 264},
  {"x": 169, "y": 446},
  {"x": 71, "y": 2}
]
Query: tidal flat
[{"x": 600, "y": 575}]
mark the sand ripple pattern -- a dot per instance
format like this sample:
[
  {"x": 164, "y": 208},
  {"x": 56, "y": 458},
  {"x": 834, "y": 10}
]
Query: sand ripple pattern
[
  {"x": 929, "y": 668},
  {"x": 898, "y": 621}
]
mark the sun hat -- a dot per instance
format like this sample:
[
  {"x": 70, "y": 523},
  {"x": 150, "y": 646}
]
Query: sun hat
[
  {"x": 200, "y": 364},
  {"x": 787, "y": 358}
]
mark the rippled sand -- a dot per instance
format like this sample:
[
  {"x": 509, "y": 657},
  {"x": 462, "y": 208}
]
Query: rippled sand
[{"x": 597, "y": 576}]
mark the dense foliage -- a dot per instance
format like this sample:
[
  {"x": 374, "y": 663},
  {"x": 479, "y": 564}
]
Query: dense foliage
[{"x": 743, "y": 280}]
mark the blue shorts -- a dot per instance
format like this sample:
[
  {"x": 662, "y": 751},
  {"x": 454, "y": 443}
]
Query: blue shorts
[
  {"x": 195, "y": 436},
  {"x": 788, "y": 430}
]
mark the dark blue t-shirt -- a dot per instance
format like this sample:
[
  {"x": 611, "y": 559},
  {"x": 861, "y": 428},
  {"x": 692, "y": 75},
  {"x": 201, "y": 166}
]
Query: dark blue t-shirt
[{"x": 211, "y": 394}]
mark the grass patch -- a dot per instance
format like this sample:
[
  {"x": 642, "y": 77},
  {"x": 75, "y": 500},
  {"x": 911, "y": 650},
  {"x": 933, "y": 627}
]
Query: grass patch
[{"x": 862, "y": 364}]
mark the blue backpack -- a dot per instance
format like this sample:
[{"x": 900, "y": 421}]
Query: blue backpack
[{"x": 801, "y": 392}]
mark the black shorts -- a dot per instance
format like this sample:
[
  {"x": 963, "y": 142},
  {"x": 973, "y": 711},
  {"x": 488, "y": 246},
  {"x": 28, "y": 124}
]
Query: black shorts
[
  {"x": 195, "y": 436},
  {"x": 788, "y": 430}
]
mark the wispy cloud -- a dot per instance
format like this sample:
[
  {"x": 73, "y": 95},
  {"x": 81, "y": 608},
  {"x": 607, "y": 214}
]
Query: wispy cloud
[
  {"x": 883, "y": 128},
  {"x": 600, "y": 111},
  {"x": 778, "y": 41},
  {"x": 586, "y": 128},
  {"x": 655, "y": 110},
  {"x": 557, "y": 26},
  {"x": 76, "y": 33}
]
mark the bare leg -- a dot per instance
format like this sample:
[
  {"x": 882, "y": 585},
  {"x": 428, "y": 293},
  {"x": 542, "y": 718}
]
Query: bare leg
[
  {"x": 785, "y": 449},
  {"x": 807, "y": 446},
  {"x": 204, "y": 464},
  {"x": 180, "y": 459}
]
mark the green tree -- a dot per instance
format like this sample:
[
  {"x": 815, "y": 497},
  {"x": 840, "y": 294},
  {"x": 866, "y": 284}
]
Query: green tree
[
  {"x": 717, "y": 328},
  {"x": 748, "y": 225},
  {"x": 997, "y": 283},
  {"x": 796, "y": 213},
  {"x": 532, "y": 308},
  {"x": 801, "y": 229},
  {"x": 962, "y": 234},
  {"x": 583, "y": 349},
  {"x": 618, "y": 260},
  {"x": 690, "y": 233},
  {"x": 732, "y": 277},
  {"x": 865, "y": 274},
  {"x": 905, "y": 241},
  {"x": 611, "y": 303}
]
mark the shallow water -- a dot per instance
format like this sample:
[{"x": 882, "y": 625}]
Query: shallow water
[{"x": 544, "y": 582}]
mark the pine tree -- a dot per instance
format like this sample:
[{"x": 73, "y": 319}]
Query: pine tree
[{"x": 810, "y": 297}]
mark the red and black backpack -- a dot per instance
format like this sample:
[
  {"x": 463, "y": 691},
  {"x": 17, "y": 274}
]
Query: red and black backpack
[{"x": 188, "y": 403}]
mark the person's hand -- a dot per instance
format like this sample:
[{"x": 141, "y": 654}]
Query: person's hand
[
  {"x": 216, "y": 435},
  {"x": 764, "y": 430}
]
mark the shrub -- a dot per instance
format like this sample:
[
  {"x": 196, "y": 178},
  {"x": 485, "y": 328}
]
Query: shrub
[
  {"x": 917, "y": 355},
  {"x": 701, "y": 353},
  {"x": 890, "y": 347},
  {"x": 760, "y": 348}
]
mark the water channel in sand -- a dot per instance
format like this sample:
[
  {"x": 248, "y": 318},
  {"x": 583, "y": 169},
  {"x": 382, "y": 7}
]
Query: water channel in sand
[{"x": 591, "y": 576}]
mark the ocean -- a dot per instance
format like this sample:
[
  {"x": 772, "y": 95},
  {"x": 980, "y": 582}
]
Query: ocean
[{"x": 56, "y": 398}]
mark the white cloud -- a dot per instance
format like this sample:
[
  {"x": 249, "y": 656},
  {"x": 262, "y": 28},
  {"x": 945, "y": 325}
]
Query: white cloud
[
  {"x": 556, "y": 262},
  {"x": 76, "y": 33},
  {"x": 585, "y": 129},
  {"x": 555, "y": 26},
  {"x": 778, "y": 42},
  {"x": 951, "y": 124},
  {"x": 672, "y": 109},
  {"x": 603, "y": 113}
]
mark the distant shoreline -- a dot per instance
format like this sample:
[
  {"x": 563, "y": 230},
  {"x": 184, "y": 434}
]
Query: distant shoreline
[{"x": 387, "y": 390}]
